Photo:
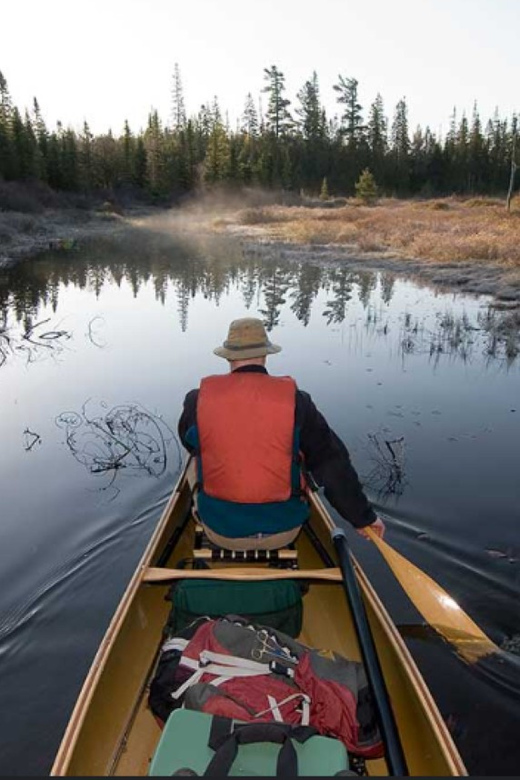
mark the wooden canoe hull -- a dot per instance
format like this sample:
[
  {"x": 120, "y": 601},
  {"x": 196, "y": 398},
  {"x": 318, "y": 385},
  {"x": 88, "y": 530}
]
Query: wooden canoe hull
[{"x": 111, "y": 730}]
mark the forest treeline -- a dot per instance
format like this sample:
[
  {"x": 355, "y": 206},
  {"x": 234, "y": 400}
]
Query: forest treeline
[{"x": 290, "y": 146}]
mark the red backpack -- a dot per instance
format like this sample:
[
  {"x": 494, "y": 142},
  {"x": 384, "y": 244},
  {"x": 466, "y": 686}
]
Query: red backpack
[{"x": 235, "y": 669}]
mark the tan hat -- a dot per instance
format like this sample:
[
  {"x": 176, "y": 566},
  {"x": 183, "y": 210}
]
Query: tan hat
[{"x": 246, "y": 339}]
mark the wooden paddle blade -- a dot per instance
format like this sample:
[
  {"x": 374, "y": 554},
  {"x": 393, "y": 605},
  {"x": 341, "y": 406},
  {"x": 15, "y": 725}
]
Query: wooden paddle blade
[{"x": 437, "y": 607}]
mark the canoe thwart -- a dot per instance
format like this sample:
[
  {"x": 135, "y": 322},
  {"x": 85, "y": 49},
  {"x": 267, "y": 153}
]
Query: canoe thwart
[{"x": 154, "y": 574}]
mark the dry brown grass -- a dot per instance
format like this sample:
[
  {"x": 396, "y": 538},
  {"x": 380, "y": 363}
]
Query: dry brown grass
[{"x": 441, "y": 230}]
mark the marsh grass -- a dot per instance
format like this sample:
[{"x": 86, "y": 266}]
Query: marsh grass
[{"x": 442, "y": 230}]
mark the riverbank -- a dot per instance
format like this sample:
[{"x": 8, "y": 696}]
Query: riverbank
[
  {"x": 472, "y": 245},
  {"x": 23, "y": 236}
]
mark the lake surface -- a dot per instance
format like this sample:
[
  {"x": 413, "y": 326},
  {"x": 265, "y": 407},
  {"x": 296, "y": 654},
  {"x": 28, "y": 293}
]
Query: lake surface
[{"x": 98, "y": 347}]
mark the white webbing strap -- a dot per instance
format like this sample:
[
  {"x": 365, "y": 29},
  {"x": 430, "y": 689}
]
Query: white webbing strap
[
  {"x": 235, "y": 667},
  {"x": 275, "y": 707},
  {"x": 177, "y": 643}
]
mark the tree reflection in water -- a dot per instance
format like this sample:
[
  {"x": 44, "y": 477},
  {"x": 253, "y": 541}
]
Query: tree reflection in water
[{"x": 179, "y": 267}]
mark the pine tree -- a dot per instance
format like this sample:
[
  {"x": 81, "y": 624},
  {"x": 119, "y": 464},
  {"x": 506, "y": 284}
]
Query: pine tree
[
  {"x": 42, "y": 137},
  {"x": 352, "y": 121},
  {"x": 401, "y": 147},
  {"x": 312, "y": 122},
  {"x": 128, "y": 145},
  {"x": 279, "y": 120},
  {"x": 249, "y": 123},
  {"x": 86, "y": 158},
  {"x": 155, "y": 159},
  {"x": 69, "y": 161},
  {"x": 7, "y": 167},
  {"x": 178, "y": 109},
  {"x": 140, "y": 174},
  {"x": 217, "y": 160},
  {"x": 377, "y": 137},
  {"x": 477, "y": 161},
  {"x": 366, "y": 188}
]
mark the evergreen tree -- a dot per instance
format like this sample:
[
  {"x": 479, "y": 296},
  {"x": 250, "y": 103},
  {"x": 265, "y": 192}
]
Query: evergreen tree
[
  {"x": 86, "y": 158},
  {"x": 42, "y": 137},
  {"x": 477, "y": 155},
  {"x": 128, "y": 145},
  {"x": 140, "y": 174},
  {"x": 155, "y": 159},
  {"x": 377, "y": 137},
  {"x": 69, "y": 172},
  {"x": 366, "y": 188},
  {"x": 178, "y": 109},
  {"x": 279, "y": 120},
  {"x": 312, "y": 121},
  {"x": 217, "y": 160},
  {"x": 7, "y": 167},
  {"x": 351, "y": 121},
  {"x": 401, "y": 147},
  {"x": 249, "y": 123}
]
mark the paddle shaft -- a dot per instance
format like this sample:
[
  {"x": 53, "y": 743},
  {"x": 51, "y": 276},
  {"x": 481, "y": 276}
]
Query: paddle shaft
[{"x": 393, "y": 749}]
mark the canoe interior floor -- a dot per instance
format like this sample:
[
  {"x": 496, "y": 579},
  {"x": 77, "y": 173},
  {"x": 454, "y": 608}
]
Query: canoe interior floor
[{"x": 327, "y": 625}]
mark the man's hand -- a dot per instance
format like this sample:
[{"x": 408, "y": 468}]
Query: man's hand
[{"x": 378, "y": 527}]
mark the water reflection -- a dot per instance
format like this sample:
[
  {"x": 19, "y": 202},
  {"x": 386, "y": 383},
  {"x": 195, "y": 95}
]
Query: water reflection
[
  {"x": 31, "y": 342},
  {"x": 179, "y": 267}
]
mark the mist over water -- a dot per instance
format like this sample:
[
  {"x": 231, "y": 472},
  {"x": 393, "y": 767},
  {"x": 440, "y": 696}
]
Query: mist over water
[{"x": 98, "y": 347}]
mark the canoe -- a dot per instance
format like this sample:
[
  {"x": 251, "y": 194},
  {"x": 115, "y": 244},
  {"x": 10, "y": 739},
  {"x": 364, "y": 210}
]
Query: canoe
[{"x": 113, "y": 732}]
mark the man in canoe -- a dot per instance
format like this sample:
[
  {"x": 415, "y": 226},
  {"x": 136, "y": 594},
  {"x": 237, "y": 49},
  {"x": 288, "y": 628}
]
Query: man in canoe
[{"x": 255, "y": 436}]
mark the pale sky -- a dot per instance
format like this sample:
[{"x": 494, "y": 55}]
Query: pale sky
[{"x": 107, "y": 60}]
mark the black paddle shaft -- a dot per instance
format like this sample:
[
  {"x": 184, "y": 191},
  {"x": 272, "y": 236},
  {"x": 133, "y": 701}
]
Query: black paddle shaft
[{"x": 393, "y": 749}]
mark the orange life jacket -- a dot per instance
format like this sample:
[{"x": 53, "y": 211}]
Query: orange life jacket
[{"x": 246, "y": 434}]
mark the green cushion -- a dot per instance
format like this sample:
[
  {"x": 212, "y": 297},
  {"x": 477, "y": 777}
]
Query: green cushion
[{"x": 184, "y": 744}]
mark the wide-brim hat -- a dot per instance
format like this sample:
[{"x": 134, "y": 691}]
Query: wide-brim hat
[{"x": 247, "y": 338}]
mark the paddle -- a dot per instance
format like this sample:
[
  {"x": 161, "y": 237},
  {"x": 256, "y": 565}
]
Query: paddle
[{"x": 438, "y": 608}]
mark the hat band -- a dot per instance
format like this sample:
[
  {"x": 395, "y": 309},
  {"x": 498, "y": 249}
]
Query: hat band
[{"x": 229, "y": 346}]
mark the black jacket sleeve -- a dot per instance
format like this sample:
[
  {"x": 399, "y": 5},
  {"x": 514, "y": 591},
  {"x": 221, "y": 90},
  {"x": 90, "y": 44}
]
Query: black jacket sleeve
[
  {"x": 328, "y": 460},
  {"x": 188, "y": 418}
]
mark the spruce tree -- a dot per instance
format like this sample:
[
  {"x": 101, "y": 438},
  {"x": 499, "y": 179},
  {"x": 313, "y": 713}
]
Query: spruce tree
[
  {"x": 352, "y": 120},
  {"x": 7, "y": 166},
  {"x": 311, "y": 123},
  {"x": 178, "y": 109},
  {"x": 249, "y": 123},
  {"x": 366, "y": 188},
  {"x": 401, "y": 147},
  {"x": 279, "y": 120},
  {"x": 377, "y": 137}
]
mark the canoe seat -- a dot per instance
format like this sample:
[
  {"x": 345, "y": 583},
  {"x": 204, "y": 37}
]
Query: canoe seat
[
  {"x": 205, "y": 550},
  {"x": 185, "y": 739}
]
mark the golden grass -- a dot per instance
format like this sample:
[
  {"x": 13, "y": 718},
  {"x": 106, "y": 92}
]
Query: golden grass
[{"x": 441, "y": 230}]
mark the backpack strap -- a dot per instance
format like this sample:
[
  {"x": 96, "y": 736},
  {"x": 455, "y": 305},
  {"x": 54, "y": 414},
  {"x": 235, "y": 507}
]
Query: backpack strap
[{"x": 226, "y": 744}]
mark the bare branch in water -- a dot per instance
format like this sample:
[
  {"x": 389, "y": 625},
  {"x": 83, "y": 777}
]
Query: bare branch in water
[
  {"x": 387, "y": 476},
  {"x": 127, "y": 437},
  {"x": 90, "y": 335},
  {"x": 31, "y": 438}
]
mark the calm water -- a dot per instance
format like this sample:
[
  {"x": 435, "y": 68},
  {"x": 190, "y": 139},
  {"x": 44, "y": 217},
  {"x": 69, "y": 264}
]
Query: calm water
[{"x": 98, "y": 347}]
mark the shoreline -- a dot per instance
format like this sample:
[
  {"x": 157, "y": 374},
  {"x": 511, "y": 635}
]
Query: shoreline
[
  {"x": 24, "y": 236},
  {"x": 62, "y": 229}
]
